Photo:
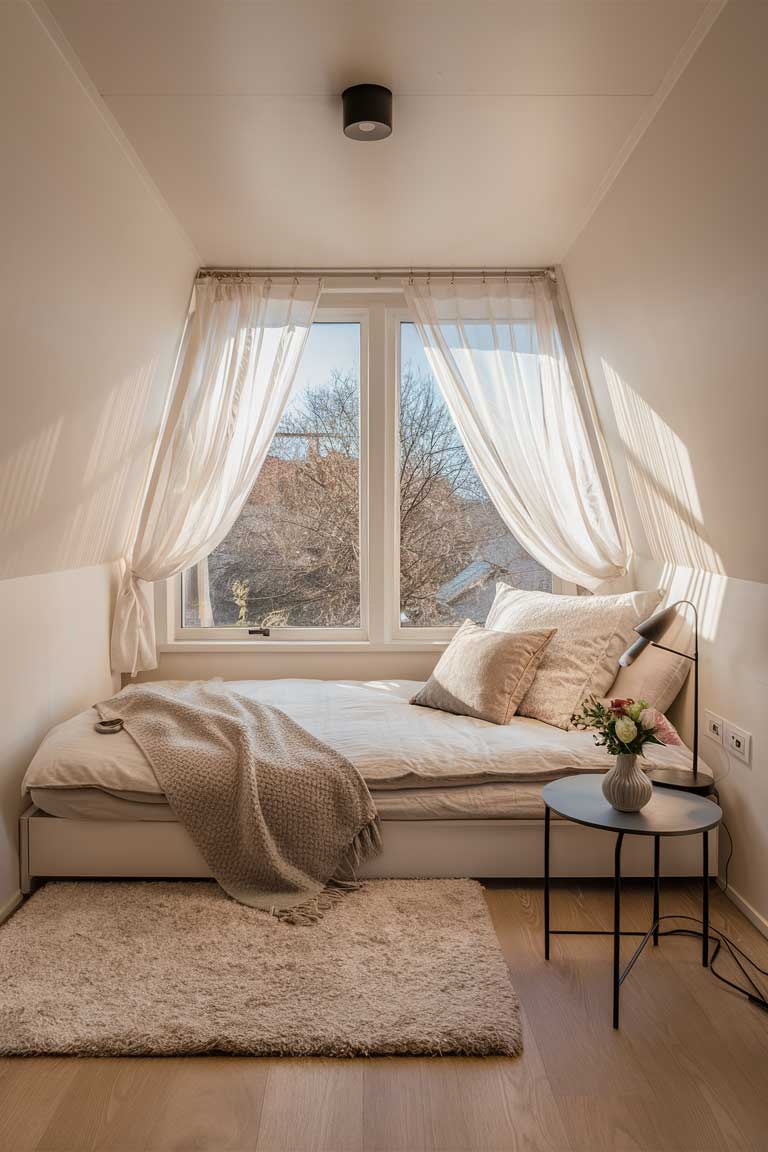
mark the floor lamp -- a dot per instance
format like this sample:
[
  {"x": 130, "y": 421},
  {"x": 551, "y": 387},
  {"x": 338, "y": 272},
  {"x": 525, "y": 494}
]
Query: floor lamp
[{"x": 651, "y": 631}]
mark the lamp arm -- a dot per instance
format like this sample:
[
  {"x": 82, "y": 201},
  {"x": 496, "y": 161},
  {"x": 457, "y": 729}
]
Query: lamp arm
[
  {"x": 664, "y": 648},
  {"x": 691, "y": 604},
  {"x": 695, "y": 658}
]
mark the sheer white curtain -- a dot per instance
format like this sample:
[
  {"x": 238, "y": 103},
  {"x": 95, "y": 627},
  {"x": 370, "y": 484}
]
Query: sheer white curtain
[
  {"x": 244, "y": 344},
  {"x": 497, "y": 351}
]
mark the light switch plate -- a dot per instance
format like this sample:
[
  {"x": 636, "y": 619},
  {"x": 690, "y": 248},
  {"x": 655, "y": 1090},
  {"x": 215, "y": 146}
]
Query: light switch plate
[
  {"x": 737, "y": 742},
  {"x": 714, "y": 726}
]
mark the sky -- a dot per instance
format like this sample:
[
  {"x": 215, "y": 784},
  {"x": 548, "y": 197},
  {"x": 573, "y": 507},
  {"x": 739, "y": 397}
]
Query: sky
[
  {"x": 329, "y": 347},
  {"x": 335, "y": 345}
]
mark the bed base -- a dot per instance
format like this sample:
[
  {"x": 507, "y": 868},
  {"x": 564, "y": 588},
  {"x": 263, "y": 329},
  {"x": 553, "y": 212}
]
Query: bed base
[{"x": 54, "y": 848}]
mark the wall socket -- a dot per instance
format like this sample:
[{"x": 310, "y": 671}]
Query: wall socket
[
  {"x": 714, "y": 726},
  {"x": 737, "y": 742}
]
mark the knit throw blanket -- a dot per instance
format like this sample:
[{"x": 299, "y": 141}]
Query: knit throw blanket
[{"x": 281, "y": 819}]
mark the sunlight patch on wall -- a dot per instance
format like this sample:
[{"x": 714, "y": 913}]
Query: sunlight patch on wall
[
  {"x": 662, "y": 480},
  {"x": 705, "y": 589},
  {"x": 69, "y": 494},
  {"x": 119, "y": 424},
  {"x": 87, "y": 533},
  {"x": 23, "y": 478}
]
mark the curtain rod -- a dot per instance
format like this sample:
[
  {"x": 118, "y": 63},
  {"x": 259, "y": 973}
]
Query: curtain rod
[{"x": 375, "y": 273}]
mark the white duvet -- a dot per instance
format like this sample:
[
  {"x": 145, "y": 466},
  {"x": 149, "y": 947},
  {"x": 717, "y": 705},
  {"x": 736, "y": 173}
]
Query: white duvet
[{"x": 392, "y": 743}]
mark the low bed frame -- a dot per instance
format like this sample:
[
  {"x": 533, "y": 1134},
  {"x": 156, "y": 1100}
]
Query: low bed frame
[{"x": 54, "y": 848}]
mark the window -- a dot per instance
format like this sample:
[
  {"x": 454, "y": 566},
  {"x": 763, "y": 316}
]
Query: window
[
  {"x": 454, "y": 546},
  {"x": 292, "y": 558},
  {"x": 368, "y": 523}
]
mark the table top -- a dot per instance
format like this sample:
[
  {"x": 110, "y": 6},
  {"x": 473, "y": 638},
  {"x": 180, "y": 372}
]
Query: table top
[{"x": 667, "y": 813}]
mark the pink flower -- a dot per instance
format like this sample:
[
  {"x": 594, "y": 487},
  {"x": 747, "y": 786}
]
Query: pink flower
[{"x": 666, "y": 732}]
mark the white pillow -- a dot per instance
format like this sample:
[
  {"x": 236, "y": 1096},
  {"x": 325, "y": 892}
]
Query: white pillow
[
  {"x": 656, "y": 676},
  {"x": 75, "y": 755},
  {"x": 583, "y": 655}
]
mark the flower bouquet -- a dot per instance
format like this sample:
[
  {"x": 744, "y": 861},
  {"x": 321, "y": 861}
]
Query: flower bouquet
[{"x": 623, "y": 728}]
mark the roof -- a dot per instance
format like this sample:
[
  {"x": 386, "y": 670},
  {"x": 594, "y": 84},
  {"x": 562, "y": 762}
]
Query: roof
[{"x": 477, "y": 573}]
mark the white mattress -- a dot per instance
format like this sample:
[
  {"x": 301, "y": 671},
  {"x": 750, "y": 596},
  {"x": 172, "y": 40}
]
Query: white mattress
[
  {"x": 467, "y": 802},
  {"x": 393, "y": 744}
]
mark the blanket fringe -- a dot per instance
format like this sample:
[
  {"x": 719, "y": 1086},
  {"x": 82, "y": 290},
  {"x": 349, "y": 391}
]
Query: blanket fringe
[{"x": 365, "y": 844}]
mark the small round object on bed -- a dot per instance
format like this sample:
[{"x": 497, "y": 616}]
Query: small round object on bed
[{"x": 109, "y": 727}]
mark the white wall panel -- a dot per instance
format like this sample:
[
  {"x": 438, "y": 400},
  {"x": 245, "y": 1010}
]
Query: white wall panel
[{"x": 669, "y": 289}]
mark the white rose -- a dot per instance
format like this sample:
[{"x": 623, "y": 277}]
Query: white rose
[{"x": 626, "y": 729}]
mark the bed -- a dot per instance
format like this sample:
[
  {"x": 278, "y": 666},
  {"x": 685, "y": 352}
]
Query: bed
[{"x": 456, "y": 796}]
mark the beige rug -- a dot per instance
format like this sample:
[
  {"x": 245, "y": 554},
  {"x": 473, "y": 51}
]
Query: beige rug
[{"x": 163, "y": 967}]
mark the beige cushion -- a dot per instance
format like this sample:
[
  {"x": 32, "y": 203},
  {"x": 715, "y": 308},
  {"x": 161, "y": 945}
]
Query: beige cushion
[
  {"x": 656, "y": 676},
  {"x": 484, "y": 674},
  {"x": 592, "y": 632}
]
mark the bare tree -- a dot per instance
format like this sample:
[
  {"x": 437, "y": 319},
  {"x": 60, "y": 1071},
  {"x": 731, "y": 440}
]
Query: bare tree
[
  {"x": 437, "y": 488},
  {"x": 294, "y": 553},
  {"x": 298, "y": 535}
]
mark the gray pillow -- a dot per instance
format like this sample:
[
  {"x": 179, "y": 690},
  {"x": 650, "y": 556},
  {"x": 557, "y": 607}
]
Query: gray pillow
[{"x": 484, "y": 674}]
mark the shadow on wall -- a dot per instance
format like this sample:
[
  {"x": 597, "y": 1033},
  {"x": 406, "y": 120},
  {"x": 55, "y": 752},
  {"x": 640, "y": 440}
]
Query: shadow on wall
[
  {"x": 662, "y": 481},
  {"x": 68, "y": 494}
]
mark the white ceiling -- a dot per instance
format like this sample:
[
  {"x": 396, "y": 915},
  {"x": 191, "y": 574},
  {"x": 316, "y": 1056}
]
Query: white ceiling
[{"x": 508, "y": 116}]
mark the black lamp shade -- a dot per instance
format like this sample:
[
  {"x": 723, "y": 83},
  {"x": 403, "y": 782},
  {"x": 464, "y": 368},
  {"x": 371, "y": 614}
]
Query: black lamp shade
[
  {"x": 650, "y": 631},
  {"x": 367, "y": 112},
  {"x": 655, "y": 626}
]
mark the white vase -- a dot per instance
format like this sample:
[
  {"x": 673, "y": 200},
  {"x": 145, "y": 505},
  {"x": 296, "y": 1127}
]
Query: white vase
[{"x": 626, "y": 787}]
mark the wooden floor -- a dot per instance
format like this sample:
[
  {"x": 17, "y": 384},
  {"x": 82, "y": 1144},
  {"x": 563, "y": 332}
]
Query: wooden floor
[{"x": 687, "y": 1070}]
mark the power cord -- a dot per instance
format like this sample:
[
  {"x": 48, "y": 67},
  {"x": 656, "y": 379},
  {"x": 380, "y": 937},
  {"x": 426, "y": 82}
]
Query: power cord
[
  {"x": 727, "y": 831},
  {"x": 720, "y": 940}
]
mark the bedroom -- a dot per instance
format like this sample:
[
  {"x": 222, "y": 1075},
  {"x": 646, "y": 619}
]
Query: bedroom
[{"x": 519, "y": 341}]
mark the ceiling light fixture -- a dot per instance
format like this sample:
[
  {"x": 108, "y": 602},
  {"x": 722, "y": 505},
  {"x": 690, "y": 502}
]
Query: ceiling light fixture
[{"x": 367, "y": 112}]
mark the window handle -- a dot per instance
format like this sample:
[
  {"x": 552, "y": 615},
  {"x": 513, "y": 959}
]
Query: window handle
[{"x": 258, "y": 631}]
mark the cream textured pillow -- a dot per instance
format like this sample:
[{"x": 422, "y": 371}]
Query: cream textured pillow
[
  {"x": 656, "y": 676},
  {"x": 592, "y": 632},
  {"x": 484, "y": 674}
]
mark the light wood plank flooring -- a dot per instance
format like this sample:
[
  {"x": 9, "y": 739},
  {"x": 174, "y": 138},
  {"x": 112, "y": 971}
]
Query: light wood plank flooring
[{"x": 688, "y": 1069}]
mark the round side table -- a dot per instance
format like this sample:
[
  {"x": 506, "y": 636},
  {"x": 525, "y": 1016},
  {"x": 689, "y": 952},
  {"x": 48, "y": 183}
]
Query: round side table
[{"x": 668, "y": 813}]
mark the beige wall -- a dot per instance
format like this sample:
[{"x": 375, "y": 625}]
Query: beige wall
[
  {"x": 327, "y": 665},
  {"x": 734, "y": 684},
  {"x": 56, "y": 662},
  {"x": 668, "y": 285},
  {"x": 94, "y": 282}
]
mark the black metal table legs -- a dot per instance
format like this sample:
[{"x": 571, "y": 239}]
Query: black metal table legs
[
  {"x": 705, "y": 899},
  {"x": 580, "y": 800},
  {"x": 547, "y": 818},
  {"x": 656, "y": 887},
  {"x": 617, "y": 926},
  {"x": 620, "y": 975}
]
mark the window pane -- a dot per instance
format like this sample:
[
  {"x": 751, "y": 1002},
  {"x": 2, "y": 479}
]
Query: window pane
[
  {"x": 454, "y": 546},
  {"x": 292, "y": 558}
]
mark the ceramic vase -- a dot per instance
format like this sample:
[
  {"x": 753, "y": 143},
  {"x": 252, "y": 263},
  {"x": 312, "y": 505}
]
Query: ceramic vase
[{"x": 626, "y": 787}]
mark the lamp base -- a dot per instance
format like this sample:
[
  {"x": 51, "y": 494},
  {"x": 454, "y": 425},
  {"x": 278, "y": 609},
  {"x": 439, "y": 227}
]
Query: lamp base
[{"x": 682, "y": 779}]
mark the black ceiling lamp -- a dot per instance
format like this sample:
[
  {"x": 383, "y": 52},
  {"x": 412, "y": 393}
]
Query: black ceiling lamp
[{"x": 367, "y": 112}]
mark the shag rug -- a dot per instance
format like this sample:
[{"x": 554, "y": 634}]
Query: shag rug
[{"x": 166, "y": 968}]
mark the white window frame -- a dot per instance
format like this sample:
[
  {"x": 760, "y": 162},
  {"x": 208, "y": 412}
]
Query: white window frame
[
  {"x": 379, "y": 316},
  {"x": 313, "y": 638},
  {"x": 397, "y": 634}
]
